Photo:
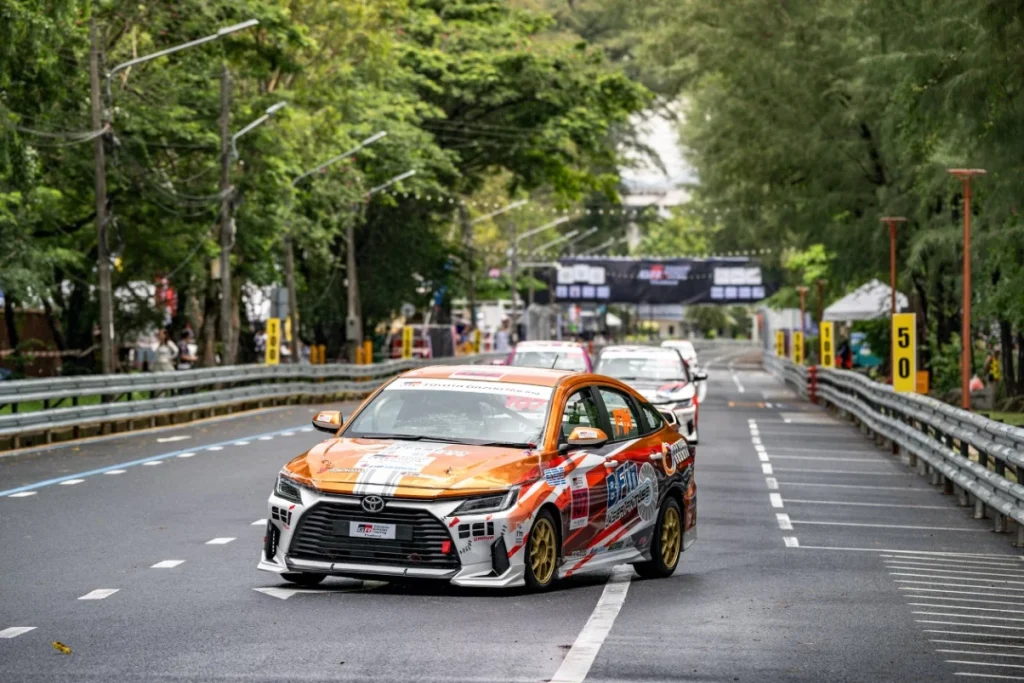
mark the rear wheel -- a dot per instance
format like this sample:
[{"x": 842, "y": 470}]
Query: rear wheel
[
  {"x": 542, "y": 553},
  {"x": 304, "y": 578},
  {"x": 667, "y": 543}
]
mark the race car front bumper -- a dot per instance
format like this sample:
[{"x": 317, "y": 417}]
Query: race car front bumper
[{"x": 428, "y": 541}]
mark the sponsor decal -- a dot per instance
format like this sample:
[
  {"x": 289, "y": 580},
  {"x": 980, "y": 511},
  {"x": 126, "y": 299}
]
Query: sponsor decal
[
  {"x": 494, "y": 388},
  {"x": 368, "y": 530},
  {"x": 466, "y": 548},
  {"x": 343, "y": 470},
  {"x": 673, "y": 455},
  {"x": 578, "y": 481},
  {"x": 485, "y": 374},
  {"x": 623, "y": 419},
  {"x": 629, "y": 489},
  {"x": 580, "y": 510},
  {"x": 520, "y": 533},
  {"x": 405, "y": 458},
  {"x": 325, "y": 465},
  {"x": 555, "y": 476}
]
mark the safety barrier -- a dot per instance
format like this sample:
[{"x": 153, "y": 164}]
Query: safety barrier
[
  {"x": 167, "y": 396},
  {"x": 978, "y": 459}
]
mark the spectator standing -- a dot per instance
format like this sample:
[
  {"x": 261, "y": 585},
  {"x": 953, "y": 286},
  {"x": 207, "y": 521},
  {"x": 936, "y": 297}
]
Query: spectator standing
[
  {"x": 188, "y": 353},
  {"x": 501, "y": 338},
  {"x": 166, "y": 352}
]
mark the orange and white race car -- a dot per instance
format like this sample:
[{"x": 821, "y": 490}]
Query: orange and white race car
[{"x": 486, "y": 476}]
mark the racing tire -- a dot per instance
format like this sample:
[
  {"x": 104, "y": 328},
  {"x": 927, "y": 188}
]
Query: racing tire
[
  {"x": 542, "y": 553},
  {"x": 667, "y": 545},
  {"x": 304, "y": 578}
]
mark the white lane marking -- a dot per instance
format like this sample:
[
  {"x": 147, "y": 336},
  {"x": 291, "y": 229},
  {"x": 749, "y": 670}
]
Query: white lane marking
[
  {"x": 172, "y": 439},
  {"x": 968, "y": 633},
  {"x": 766, "y": 468},
  {"x": 888, "y": 526},
  {"x": 857, "y": 486},
  {"x": 933, "y": 582},
  {"x": 287, "y": 433},
  {"x": 580, "y": 658},
  {"x": 762, "y": 456},
  {"x": 151, "y": 463},
  {"x": 739, "y": 387},
  {"x": 266, "y": 438},
  {"x": 945, "y": 561},
  {"x": 821, "y": 457},
  {"x": 967, "y": 642},
  {"x": 968, "y": 624},
  {"x": 116, "y": 472},
  {"x": 220, "y": 541},
  {"x": 215, "y": 448},
  {"x": 876, "y": 474},
  {"x": 966, "y": 616},
  {"x": 786, "y": 420},
  {"x": 972, "y": 652},
  {"x": 783, "y": 519},
  {"x": 240, "y": 443},
  {"x": 760, "y": 449},
  {"x": 873, "y": 505},
  {"x": 190, "y": 454},
  {"x": 772, "y": 483},
  {"x": 977, "y": 609},
  {"x": 23, "y": 494},
  {"x": 833, "y": 451},
  {"x": 1002, "y": 601},
  {"x": 279, "y": 593},
  {"x": 15, "y": 631},
  {"x": 756, "y": 440},
  {"x": 950, "y": 572},
  {"x": 973, "y": 663},
  {"x": 99, "y": 594},
  {"x": 167, "y": 564},
  {"x": 259, "y": 522},
  {"x": 306, "y": 429},
  {"x": 791, "y": 541},
  {"x": 71, "y": 482},
  {"x": 955, "y": 577},
  {"x": 776, "y": 499},
  {"x": 976, "y": 675},
  {"x": 285, "y": 593}
]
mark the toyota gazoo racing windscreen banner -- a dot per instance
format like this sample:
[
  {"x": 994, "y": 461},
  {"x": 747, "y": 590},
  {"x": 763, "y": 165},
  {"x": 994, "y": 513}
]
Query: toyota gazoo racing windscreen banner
[{"x": 728, "y": 280}]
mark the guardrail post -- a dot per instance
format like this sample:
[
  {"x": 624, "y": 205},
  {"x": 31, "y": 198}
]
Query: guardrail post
[
  {"x": 922, "y": 468},
  {"x": 999, "y": 523},
  {"x": 965, "y": 450},
  {"x": 936, "y": 477},
  {"x": 962, "y": 499},
  {"x": 947, "y": 486},
  {"x": 1020, "y": 536},
  {"x": 979, "y": 508}
]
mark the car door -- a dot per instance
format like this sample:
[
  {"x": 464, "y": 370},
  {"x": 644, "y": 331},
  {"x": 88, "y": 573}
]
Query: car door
[
  {"x": 583, "y": 517},
  {"x": 631, "y": 481}
]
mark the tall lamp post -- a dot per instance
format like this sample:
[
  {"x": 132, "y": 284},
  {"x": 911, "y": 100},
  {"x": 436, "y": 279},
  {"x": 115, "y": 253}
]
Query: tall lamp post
[
  {"x": 101, "y": 119},
  {"x": 821, "y": 298},
  {"x": 965, "y": 175},
  {"x": 227, "y": 219},
  {"x": 289, "y": 251},
  {"x": 892, "y": 222}
]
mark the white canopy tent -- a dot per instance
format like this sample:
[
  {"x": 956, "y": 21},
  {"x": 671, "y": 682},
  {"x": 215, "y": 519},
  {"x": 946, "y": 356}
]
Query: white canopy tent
[{"x": 867, "y": 302}]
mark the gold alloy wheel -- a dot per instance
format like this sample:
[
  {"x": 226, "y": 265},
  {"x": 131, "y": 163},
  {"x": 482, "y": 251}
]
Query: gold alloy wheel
[
  {"x": 542, "y": 550},
  {"x": 670, "y": 536}
]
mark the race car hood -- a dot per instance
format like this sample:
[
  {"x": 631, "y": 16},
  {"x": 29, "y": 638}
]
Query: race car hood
[
  {"x": 421, "y": 469},
  {"x": 662, "y": 391}
]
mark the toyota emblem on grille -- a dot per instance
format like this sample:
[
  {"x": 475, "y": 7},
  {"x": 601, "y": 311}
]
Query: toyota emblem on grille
[{"x": 373, "y": 503}]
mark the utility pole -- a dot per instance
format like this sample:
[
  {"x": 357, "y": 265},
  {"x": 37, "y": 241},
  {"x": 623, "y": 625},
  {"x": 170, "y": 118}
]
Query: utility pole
[
  {"x": 354, "y": 320},
  {"x": 467, "y": 243},
  {"x": 293, "y": 306},
  {"x": 966, "y": 342},
  {"x": 102, "y": 257},
  {"x": 892, "y": 222},
  {"x": 227, "y": 233},
  {"x": 821, "y": 298},
  {"x": 514, "y": 317}
]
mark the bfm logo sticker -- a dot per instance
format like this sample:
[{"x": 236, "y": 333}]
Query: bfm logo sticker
[{"x": 621, "y": 483}]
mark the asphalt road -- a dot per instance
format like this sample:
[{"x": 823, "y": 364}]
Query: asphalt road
[{"x": 820, "y": 558}]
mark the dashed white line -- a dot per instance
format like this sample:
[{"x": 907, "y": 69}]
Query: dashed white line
[
  {"x": 933, "y": 553},
  {"x": 23, "y": 494},
  {"x": 776, "y": 499},
  {"x": 306, "y": 429},
  {"x": 966, "y": 642},
  {"x": 990, "y": 654},
  {"x": 865, "y": 473},
  {"x": 953, "y": 572},
  {"x": 952, "y": 561},
  {"x": 772, "y": 483},
  {"x": 968, "y": 624},
  {"x": 969, "y": 633},
  {"x": 947, "y": 584},
  {"x": 891, "y": 526},
  {"x": 99, "y": 594},
  {"x": 965, "y": 616},
  {"x": 766, "y": 468},
  {"x": 15, "y": 631},
  {"x": 762, "y": 456},
  {"x": 167, "y": 564},
  {"x": 71, "y": 482},
  {"x": 287, "y": 433},
  {"x": 857, "y": 486},
  {"x": 580, "y": 658},
  {"x": 266, "y": 438},
  {"x": 152, "y": 463},
  {"x": 791, "y": 541},
  {"x": 975, "y": 675},
  {"x": 116, "y": 472},
  {"x": 1004, "y": 603},
  {"x": 241, "y": 443},
  {"x": 874, "y": 505},
  {"x": 215, "y": 448},
  {"x": 186, "y": 455},
  {"x": 756, "y": 440},
  {"x": 784, "y": 523},
  {"x": 171, "y": 439},
  {"x": 739, "y": 386},
  {"x": 220, "y": 541},
  {"x": 973, "y": 663},
  {"x": 825, "y": 458}
]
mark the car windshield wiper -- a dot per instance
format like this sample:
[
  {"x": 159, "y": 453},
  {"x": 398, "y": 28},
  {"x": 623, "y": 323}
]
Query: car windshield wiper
[{"x": 396, "y": 437}]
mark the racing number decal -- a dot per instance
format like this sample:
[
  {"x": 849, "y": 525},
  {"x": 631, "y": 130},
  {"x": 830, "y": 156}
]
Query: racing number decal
[{"x": 623, "y": 421}]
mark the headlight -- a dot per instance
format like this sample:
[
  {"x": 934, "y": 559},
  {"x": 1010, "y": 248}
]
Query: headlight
[
  {"x": 288, "y": 489},
  {"x": 492, "y": 503}
]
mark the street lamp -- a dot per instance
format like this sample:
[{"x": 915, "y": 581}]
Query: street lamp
[
  {"x": 611, "y": 241},
  {"x": 289, "y": 252},
  {"x": 98, "y": 116},
  {"x": 965, "y": 175},
  {"x": 270, "y": 111},
  {"x": 354, "y": 317},
  {"x": 892, "y": 222}
]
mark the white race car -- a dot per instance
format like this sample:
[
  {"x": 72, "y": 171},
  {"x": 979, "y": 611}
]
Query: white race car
[{"x": 689, "y": 354}]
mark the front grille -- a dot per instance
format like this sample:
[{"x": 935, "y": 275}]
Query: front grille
[{"x": 419, "y": 543}]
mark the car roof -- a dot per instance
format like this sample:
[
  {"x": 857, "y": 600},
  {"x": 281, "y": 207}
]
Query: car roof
[
  {"x": 677, "y": 342},
  {"x": 637, "y": 349},
  {"x": 526, "y": 345},
  {"x": 493, "y": 373}
]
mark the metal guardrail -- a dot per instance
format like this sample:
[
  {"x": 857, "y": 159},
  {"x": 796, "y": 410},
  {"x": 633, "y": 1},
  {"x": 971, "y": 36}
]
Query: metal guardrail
[
  {"x": 978, "y": 459},
  {"x": 190, "y": 392}
]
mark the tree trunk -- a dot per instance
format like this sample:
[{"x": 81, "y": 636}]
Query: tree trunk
[
  {"x": 9, "y": 322},
  {"x": 1006, "y": 343},
  {"x": 208, "y": 332}
]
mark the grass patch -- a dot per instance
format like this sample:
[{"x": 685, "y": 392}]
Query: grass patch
[
  {"x": 33, "y": 406},
  {"x": 1015, "y": 419}
]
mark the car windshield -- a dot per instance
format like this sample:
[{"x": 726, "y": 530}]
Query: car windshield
[
  {"x": 459, "y": 411},
  {"x": 651, "y": 367},
  {"x": 559, "y": 359},
  {"x": 683, "y": 347}
]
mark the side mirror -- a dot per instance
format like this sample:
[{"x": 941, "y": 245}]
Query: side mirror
[
  {"x": 328, "y": 421},
  {"x": 700, "y": 376},
  {"x": 581, "y": 437},
  {"x": 670, "y": 419}
]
